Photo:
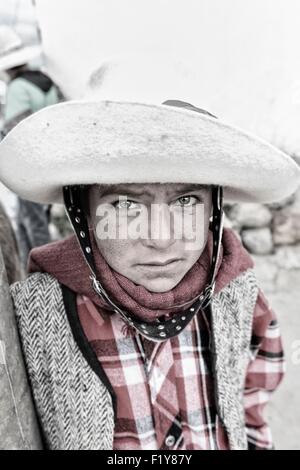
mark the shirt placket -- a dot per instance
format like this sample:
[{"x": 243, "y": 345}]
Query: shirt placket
[{"x": 160, "y": 372}]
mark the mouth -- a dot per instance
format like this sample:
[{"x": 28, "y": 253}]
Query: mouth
[{"x": 160, "y": 264}]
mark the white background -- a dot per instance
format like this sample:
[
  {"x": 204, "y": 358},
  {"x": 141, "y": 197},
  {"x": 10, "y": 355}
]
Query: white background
[{"x": 243, "y": 55}]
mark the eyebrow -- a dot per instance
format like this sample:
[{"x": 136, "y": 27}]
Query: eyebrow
[{"x": 123, "y": 189}]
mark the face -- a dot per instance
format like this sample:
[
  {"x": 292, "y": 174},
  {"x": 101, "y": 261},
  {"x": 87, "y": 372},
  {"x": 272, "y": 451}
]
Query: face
[{"x": 151, "y": 233}]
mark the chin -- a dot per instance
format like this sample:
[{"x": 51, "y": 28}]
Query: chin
[{"x": 160, "y": 286}]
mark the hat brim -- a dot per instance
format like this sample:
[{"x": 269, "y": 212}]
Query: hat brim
[
  {"x": 108, "y": 142},
  {"x": 19, "y": 57}
]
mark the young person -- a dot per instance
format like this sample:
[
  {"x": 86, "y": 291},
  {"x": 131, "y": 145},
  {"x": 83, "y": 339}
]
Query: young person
[{"x": 146, "y": 329}]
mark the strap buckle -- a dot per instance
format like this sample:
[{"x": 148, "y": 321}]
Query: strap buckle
[{"x": 207, "y": 295}]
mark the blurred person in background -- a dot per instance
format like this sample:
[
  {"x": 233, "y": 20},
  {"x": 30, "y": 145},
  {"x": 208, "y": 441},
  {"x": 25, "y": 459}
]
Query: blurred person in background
[{"x": 28, "y": 91}]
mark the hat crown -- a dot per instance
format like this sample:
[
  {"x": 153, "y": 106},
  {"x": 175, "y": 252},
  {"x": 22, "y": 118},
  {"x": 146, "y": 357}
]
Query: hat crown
[
  {"x": 9, "y": 40},
  {"x": 140, "y": 78}
]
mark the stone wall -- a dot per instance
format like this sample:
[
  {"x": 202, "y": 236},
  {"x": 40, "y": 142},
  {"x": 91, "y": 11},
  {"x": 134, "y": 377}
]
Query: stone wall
[{"x": 263, "y": 229}]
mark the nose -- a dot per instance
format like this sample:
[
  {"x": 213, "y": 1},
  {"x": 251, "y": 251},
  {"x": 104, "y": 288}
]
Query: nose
[{"x": 160, "y": 230}]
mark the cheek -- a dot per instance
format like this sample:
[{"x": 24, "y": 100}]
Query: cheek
[{"x": 115, "y": 252}]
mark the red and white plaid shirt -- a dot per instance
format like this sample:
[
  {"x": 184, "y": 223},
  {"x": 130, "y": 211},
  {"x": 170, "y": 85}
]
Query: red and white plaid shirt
[{"x": 165, "y": 391}]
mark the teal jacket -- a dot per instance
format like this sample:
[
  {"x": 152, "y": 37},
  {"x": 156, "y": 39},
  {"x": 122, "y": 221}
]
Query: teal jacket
[{"x": 29, "y": 92}]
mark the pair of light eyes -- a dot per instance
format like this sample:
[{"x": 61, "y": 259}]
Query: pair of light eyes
[{"x": 183, "y": 201}]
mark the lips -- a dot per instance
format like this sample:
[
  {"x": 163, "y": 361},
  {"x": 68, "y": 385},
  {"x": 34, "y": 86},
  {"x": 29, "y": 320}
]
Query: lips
[
  {"x": 160, "y": 264},
  {"x": 163, "y": 263}
]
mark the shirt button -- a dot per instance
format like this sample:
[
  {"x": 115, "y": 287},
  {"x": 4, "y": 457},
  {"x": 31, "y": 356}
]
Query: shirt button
[{"x": 170, "y": 441}]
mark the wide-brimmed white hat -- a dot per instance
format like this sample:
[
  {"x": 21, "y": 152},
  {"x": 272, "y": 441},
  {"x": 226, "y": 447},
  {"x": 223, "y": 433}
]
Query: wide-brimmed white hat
[
  {"x": 12, "y": 50},
  {"x": 124, "y": 134}
]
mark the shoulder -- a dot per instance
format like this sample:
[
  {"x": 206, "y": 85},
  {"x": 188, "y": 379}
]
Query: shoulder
[
  {"x": 34, "y": 282},
  {"x": 18, "y": 101},
  {"x": 18, "y": 85},
  {"x": 239, "y": 297},
  {"x": 22, "y": 89},
  {"x": 38, "y": 290},
  {"x": 245, "y": 281},
  {"x": 40, "y": 315}
]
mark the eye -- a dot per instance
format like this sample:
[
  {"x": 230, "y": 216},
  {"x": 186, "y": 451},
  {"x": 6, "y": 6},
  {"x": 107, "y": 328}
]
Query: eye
[
  {"x": 126, "y": 204},
  {"x": 186, "y": 201}
]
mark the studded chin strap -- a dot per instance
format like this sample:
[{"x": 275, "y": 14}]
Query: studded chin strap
[{"x": 159, "y": 330}]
